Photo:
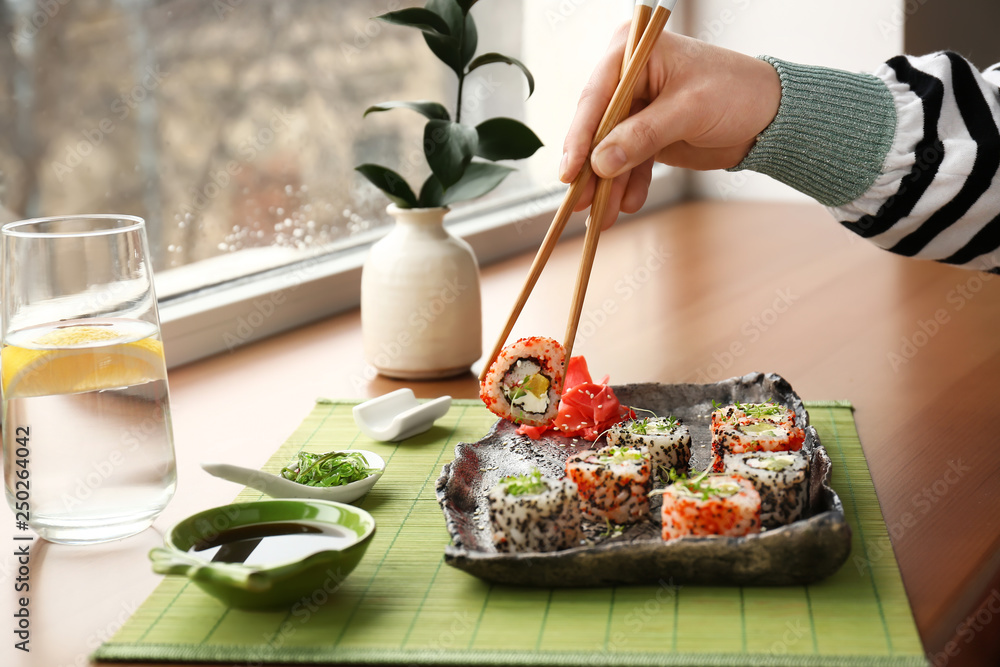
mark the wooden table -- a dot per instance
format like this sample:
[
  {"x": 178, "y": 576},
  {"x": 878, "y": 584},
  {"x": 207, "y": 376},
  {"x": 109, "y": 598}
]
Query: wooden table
[{"x": 699, "y": 292}]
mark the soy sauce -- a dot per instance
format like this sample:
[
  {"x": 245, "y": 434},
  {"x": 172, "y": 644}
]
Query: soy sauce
[{"x": 272, "y": 542}]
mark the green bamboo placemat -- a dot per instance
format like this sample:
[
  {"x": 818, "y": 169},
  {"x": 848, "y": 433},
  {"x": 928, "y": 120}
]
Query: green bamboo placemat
[{"x": 403, "y": 605}]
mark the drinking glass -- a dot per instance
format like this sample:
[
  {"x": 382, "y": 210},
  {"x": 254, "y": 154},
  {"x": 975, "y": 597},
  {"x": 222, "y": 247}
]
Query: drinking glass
[{"x": 87, "y": 441}]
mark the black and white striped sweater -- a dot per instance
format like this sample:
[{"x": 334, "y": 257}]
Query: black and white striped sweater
[{"x": 907, "y": 157}]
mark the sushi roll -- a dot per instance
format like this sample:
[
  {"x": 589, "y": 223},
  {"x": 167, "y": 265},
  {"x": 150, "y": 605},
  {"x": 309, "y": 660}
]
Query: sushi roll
[
  {"x": 727, "y": 506},
  {"x": 613, "y": 482},
  {"x": 781, "y": 479},
  {"x": 753, "y": 427},
  {"x": 739, "y": 414},
  {"x": 534, "y": 513},
  {"x": 666, "y": 439},
  {"x": 524, "y": 383}
]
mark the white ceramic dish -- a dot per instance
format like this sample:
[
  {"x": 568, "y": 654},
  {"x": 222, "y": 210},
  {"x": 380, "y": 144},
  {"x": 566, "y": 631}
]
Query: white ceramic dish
[
  {"x": 398, "y": 415},
  {"x": 279, "y": 487}
]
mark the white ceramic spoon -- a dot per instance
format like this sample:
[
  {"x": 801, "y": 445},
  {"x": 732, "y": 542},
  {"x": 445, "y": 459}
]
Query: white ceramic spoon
[
  {"x": 398, "y": 415},
  {"x": 277, "y": 486}
]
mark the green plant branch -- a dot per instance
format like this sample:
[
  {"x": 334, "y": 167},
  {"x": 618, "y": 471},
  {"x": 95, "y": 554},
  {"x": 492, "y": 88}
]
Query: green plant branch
[{"x": 461, "y": 74}]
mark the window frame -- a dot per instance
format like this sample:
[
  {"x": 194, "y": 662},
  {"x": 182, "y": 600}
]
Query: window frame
[{"x": 225, "y": 317}]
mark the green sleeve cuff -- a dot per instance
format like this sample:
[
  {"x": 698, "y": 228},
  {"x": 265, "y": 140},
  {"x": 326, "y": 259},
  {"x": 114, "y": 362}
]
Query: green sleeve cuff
[{"x": 831, "y": 135}]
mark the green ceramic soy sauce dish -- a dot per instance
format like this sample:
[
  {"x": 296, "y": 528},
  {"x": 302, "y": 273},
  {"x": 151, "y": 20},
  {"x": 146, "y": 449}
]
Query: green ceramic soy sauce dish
[{"x": 267, "y": 554}]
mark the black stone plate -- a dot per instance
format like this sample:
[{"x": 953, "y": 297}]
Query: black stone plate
[{"x": 799, "y": 553}]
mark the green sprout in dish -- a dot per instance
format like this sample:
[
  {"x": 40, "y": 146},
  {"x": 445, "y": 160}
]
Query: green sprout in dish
[{"x": 329, "y": 469}]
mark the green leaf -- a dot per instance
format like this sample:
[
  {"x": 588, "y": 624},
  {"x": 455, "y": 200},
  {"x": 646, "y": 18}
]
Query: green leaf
[
  {"x": 506, "y": 139},
  {"x": 479, "y": 178},
  {"x": 424, "y": 20},
  {"x": 431, "y": 110},
  {"x": 389, "y": 182},
  {"x": 489, "y": 58},
  {"x": 466, "y": 5},
  {"x": 449, "y": 148},
  {"x": 432, "y": 193},
  {"x": 456, "y": 48}
]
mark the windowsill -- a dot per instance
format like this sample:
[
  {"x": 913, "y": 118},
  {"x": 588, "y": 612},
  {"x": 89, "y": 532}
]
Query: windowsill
[{"x": 202, "y": 323}]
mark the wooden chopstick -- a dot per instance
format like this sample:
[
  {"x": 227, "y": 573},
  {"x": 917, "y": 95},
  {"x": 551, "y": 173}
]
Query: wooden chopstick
[
  {"x": 619, "y": 104},
  {"x": 602, "y": 195}
]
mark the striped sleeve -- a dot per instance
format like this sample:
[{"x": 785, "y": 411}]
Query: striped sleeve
[{"x": 936, "y": 193}]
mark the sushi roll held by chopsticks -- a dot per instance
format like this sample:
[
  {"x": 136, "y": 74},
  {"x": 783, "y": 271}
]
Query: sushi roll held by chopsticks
[
  {"x": 524, "y": 384},
  {"x": 534, "y": 513}
]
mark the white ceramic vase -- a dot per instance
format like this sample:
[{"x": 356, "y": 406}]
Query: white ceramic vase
[{"x": 421, "y": 314}]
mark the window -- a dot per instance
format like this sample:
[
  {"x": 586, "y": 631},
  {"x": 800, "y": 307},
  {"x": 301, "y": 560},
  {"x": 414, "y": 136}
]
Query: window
[{"x": 233, "y": 128}]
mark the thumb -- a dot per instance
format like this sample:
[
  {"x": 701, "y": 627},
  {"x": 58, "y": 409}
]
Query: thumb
[{"x": 635, "y": 140}]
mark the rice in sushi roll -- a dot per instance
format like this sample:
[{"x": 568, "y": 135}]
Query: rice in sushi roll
[
  {"x": 524, "y": 383},
  {"x": 727, "y": 506},
  {"x": 666, "y": 439},
  {"x": 781, "y": 479},
  {"x": 753, "y": 427},
  {"x": 534, "y": 513},
  {"x": 613, "y": 482}
]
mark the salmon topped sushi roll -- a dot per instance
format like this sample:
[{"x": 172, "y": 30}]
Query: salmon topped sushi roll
[
  {"x": 728, "y": 506},
  {"x": 665, "y": 438},
  {"x": 753, "y": 427},
  {"x": 739, "y": 414},
  {"x": 613, "y": 482},
  {"x": 524, "y": 383}
]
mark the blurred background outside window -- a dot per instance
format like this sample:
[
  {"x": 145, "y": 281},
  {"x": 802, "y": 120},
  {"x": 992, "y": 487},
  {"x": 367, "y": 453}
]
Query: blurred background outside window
[{"x": 234, "y": 126}]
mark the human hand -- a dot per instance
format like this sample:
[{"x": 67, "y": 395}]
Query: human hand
[{"x": 695, "y": 105}]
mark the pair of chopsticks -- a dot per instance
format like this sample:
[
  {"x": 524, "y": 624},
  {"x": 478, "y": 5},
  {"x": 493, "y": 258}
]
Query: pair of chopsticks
[{"x": 647, "y": 24}]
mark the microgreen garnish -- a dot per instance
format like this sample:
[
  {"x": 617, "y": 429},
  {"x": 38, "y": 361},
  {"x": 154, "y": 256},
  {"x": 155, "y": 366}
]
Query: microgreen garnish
[
  {"x": 702, "y": 486},
  {"x": 652, "y": 425},
  {"x": 329, "y": 469},
  {"x": 522, "y": 485},
  {"x": 611, "y": 530},
  {"x": 760, "y": 410},
  {"x": 617, "y": 455}
]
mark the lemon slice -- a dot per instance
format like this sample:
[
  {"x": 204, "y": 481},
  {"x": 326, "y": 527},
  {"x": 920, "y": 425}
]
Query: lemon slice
[{"x": 81, "y": 358}]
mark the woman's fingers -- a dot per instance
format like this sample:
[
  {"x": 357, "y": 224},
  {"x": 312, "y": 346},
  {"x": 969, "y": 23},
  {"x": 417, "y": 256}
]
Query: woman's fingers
[
  {"x": 593, "y": 102},
  {"x": 638, "y": 187}
]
